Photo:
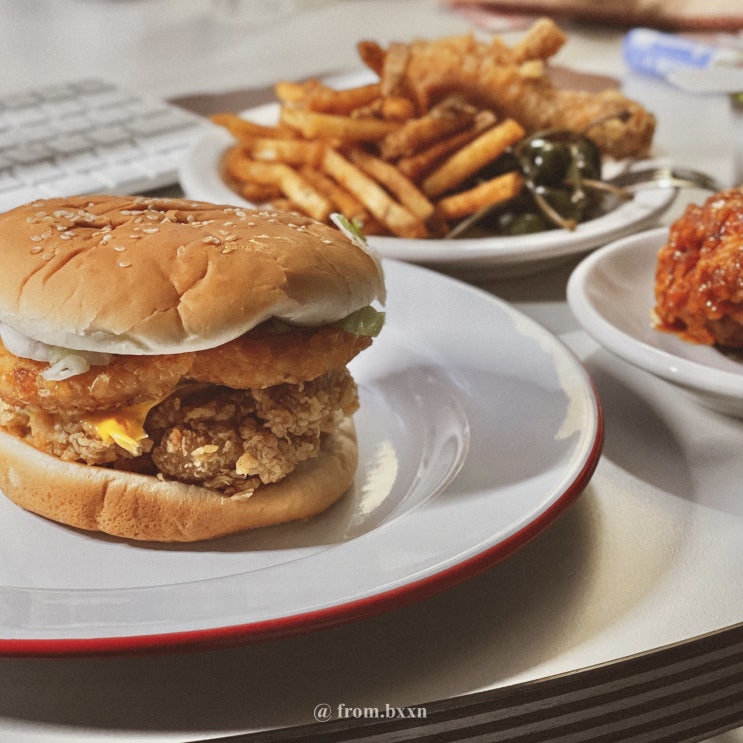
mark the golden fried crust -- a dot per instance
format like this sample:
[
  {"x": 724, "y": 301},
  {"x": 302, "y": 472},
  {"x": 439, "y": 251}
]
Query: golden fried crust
[
  {"x": 264, "y": 358},
  {"x": 259, "y": 359},
  {"x": 127, "y": 380},
  {"x": 145, "y": 508},
  {"x": 514, "y": 83}
]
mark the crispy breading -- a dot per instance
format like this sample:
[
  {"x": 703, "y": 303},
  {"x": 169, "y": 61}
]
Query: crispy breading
[
  {"x": 261, "y": 358},
  {"x": 265, "y": 357},
  {"x": 126, "y": 380},
  {"x": 235, "y": 441},
  {"x": 517, "y": 87},
  {"x": 228, "y": 440},
  {"x": 698, "y": 285}
]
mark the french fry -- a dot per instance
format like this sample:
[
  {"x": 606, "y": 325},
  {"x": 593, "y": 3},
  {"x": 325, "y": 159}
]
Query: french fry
[
  {"x": 343, "y": 201},
  {"x": 491, "y": 192},
  {"x": 235, "y": 164},
  {"x": 343, "y": 101},
  {"x": 245, "y": 129},
  {"x": 288, "y": 91},
  {"x": 416, "y": 134},
  {"x": 420, "y": 164},
  {"x": 291, "y": 184},
  {"x": 399, "y": 220},
  {"x": 313, "y": 125},
  {"x": 372, "y": 55},
  {"x": 395, "y": 182},
  {"x": 291, "y": 151},
  {"x": 260, "y": 193},
  {"x": 396, "y": 108},
  {"x": 472, "y": 157}
]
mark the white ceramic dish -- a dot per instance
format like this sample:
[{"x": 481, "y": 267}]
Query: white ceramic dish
[
  {"x": 611, "y": 294},
  {"x": 477, "y": 428},
  {"x": 200, "y": 177}
]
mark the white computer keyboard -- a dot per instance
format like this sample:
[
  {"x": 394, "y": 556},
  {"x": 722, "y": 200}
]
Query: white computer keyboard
[{"x": 89, "y": 136}]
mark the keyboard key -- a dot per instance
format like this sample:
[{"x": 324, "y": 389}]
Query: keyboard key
[
  {"x": 9, "y": 180},
  {"x": 71, "y": 185},
  {"x": 158, "y": 124},
  {"x": 11, "y": 199},
  {"x": 109, "y": 135},
  {"x": 81, "y": 162},
  {"x": 39, "y": 171},
  {"x": 70, "y": 143},
  {"x": 118, "y": 177},
  {"x": 20, "y": 100},
  {"x": 158, "y": 165},
  {"x": 29, "y": 153}
]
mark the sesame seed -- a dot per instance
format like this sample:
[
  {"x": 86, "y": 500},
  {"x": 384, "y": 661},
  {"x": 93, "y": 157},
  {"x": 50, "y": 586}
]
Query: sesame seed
[
  {"x": 119, "y": 248},
  {"x": 124, "y": 264},
  {"x": 36, "y": 249},
  {"x": 150, "y": 230}
]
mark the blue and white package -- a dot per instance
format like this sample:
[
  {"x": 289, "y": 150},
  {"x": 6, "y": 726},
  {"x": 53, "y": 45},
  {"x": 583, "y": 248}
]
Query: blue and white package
[{"x": 657, "y": 53}]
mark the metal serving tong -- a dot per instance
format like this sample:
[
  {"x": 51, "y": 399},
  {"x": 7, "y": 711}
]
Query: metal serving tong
[{"x": 664, "y": 176}]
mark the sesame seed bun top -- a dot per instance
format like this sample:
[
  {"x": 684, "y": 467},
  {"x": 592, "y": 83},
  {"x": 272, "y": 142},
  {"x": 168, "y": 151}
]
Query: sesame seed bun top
[{"x": 137, "y": 275}]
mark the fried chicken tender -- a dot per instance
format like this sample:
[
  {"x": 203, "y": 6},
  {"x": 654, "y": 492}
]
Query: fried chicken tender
[
  {"x": 699, "y": 273},
  {"x": 261, "y": 358},
  {"x": 236, "y": 440},
  {"x": 514, "y": 83},
  {"x": 230, "y": 440}
]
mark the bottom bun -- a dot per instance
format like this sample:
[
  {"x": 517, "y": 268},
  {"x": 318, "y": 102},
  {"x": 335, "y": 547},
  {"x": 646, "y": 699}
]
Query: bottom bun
[{"x": 144, "y": 508}]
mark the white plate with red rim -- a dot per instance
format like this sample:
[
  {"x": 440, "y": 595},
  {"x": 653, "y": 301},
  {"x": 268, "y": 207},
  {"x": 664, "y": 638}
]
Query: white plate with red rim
[
  {"x": 611, "y": 293},
  {"x": 477, "y": 428},
  {"x": 201, "y": 178}
]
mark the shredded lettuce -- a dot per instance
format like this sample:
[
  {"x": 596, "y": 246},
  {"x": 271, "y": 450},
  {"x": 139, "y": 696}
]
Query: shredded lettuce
[
  {"x": 366, "y": 321},
  {"x": 352, "y": 230}
]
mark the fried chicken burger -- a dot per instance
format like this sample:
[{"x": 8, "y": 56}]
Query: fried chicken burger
[{"x": 174, "y": 370}]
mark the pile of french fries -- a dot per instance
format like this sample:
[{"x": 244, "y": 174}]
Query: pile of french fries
[{"x": 371, "y": 154}]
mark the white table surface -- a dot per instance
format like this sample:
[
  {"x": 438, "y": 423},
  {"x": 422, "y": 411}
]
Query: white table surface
[{"x": 649, "y": 555}]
